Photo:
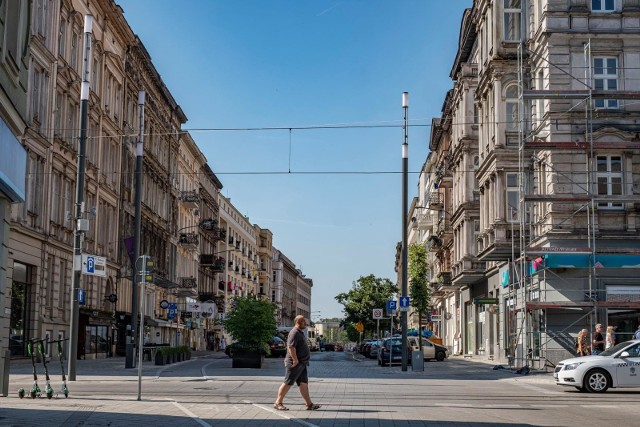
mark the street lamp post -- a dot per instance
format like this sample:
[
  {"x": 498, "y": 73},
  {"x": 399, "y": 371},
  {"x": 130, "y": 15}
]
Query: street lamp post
[
  {"x": 405, "y": 208},
  {"x": 79, "y": 208}
]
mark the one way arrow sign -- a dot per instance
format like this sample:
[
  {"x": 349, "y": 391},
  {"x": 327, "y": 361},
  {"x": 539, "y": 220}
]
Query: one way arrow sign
[{"x": 404, "y": 303}]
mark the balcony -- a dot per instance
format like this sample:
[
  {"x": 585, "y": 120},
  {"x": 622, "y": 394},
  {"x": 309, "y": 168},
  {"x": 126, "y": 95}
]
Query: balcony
[
  {"x": 468, "y": 272},
  {"x": 188, "y": 241},
  {"x": 444, "y": 227},
  {"x": 217, "y": 264},
  {"x": 190, "y": 199},
  {"x": 499, "y": 243},
  {"x": 187, "y": 283}
]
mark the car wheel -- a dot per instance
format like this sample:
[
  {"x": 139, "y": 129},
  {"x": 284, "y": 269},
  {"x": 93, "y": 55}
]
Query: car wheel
[
  {"x": 440, "y": 356},
  {"x": 597, "y": 381}
]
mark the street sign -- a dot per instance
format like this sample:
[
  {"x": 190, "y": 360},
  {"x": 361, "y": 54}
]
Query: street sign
[
  {"x": 82, "y": 297},
  {"x": 392, "y": 306},
  {"x": 360, "y": 327},
  {"x": 377, "y": 313},
  {"x": 194, "y": 307},
  {"x": 404, "y": 303},
  {"x": 173, "y": 310},
  {"x": 436, "y": 317},
  {"x": 94, "y": 265},
  {"x": 209, "y": 309},
  {"x": 483, "y": 301},
  {"x": 164, "y": 304}
]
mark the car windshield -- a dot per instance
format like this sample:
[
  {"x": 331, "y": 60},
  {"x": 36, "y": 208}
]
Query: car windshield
[{"x": 616, "y": 348}]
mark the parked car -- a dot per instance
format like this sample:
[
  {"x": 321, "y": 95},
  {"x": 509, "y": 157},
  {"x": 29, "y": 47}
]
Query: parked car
[
  {"x": 374, "y": 348},
  {"x": 363, "y": 344},
  {"x": 329, "y": 347},
  {"x": 339, "y": 347},
  {"x": 430, "y": 350},
  {"x": 391, "y": 351},
  {"x": 614, "y": 368},
  {"x": 278, "y": 347}
]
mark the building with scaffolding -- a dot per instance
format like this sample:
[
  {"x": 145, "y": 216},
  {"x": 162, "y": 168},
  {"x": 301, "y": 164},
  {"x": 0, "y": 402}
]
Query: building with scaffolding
[{"x": 529, "y": 202}]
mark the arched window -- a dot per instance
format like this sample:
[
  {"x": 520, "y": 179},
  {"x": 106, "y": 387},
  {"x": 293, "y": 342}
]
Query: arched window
[{"x": 511, "y": 108}]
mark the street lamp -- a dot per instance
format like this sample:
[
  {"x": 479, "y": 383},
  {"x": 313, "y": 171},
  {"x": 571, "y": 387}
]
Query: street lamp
[{"x": 405, "y": 208}]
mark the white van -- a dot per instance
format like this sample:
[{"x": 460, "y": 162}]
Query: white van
[{"x": 430, "y": 350}]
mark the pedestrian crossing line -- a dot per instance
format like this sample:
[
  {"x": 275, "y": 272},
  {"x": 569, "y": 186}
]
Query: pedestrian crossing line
[
  {"x": 191, "y": 414},
  {"x": 603, "y": 406},
  {"x": 282, "y": 415}
]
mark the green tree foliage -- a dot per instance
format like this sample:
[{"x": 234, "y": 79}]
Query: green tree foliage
[
  {"x": 368, "y": 292},
  {"x": 251, "y": 322},
  {"x": 417, "y": 275}
]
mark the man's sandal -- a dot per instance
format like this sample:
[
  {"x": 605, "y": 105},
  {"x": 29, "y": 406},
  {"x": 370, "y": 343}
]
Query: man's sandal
[
  {"x": 280, "y": 407},
  {"x": 313, "y": 407}
]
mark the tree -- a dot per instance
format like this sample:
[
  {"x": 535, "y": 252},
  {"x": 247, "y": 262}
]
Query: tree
[
  {"x": 417, "y": 275},
  {"x": 251, "y": 322},
  {"x": 368, "y": 292}
]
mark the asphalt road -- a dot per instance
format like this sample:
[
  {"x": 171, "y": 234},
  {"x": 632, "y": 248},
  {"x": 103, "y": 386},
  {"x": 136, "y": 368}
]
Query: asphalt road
[{"x": 206, "y": 391}]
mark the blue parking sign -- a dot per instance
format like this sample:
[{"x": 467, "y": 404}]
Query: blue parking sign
[
  {"x": 173, "y": 310},
  {"x": 392, "y": 305}
]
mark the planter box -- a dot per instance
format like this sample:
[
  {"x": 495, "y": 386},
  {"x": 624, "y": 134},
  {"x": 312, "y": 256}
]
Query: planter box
[
  {"x": 160, "y": 359},
  {"x": 247, "y": 359}
]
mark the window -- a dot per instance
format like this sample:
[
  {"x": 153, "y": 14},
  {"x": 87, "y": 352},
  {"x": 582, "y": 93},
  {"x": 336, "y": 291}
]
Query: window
[
  {"x": 62, "y": 39},
  {"x": 39, "y": 95},
  {"x": 603, "y": 5},
  {"x": 512, "y": 25},
  {"x": 35, "y": 180},
  {"x": 605, "y": 77},
  {"x": 609, "y": 179},
  {"x": 513, "y": 203},
  {"x": 511, "y": 106},
  {"x": 41, "y": 20}
]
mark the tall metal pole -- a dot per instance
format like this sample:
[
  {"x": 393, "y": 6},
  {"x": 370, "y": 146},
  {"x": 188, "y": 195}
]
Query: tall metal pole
[
  {"x": 79, "y": 231},
  {"x": 405, "y": 212},
  {"x": 129, "y": 359}
]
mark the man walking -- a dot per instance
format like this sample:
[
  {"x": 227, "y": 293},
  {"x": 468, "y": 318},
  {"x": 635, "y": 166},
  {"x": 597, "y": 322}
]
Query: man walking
[
  {"x": 296, "y": 363},
  {"x": 637, "y": 334},
  {"x": 598, "y": 341}
]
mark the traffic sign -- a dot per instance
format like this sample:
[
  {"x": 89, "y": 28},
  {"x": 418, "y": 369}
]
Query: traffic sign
[
  {"x": 377, "y": 313},
  {"x": 173, "y": 310},
  {"x": 392, "y": 305},
  {"x": 360, "y": 327},
  {"x": 82, "y": 297},
  {"x": 94, "y": 265},
  {"x": 404, "y": 303}
]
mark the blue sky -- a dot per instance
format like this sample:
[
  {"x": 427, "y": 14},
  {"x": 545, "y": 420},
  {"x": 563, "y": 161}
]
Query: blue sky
[{"x": 297, "y": 63}]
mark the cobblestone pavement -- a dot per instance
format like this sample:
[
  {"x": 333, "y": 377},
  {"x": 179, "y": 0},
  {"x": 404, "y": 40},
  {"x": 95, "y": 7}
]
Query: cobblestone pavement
[{"x": 353, "y": 392}]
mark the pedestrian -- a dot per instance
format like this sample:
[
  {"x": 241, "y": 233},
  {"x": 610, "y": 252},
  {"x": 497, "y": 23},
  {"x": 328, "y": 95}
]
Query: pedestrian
[
  {"x": 637, "y": 334},
  {"x": 582, "y": 343},
  {"x": 598, "y": 342},
  {"x": 611, "y": 337},
  {"x": 216, "y": 345},
  {"x": 223, "y": 344},
  {"x": 296, "y": 362}
]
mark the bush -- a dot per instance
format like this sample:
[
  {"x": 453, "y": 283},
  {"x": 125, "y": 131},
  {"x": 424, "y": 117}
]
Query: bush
[{"x": 251, "y": 323}]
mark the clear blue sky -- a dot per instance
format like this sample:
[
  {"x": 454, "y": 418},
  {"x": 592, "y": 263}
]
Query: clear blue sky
[{"x": 295, "y": 63}]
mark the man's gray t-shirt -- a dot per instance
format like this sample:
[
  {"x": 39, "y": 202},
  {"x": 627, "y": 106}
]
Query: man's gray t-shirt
[{"x": 297, "y": 339}]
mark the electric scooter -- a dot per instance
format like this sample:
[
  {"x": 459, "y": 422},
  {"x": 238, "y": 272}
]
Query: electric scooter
[
  {"x": 35, "y": 389},
  {"x": 48, "y": 389},
  {"x": 64, "y": 389}
]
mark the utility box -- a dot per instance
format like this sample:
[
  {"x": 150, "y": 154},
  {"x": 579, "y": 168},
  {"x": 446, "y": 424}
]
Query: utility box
[{"x": 417, "y": 361}]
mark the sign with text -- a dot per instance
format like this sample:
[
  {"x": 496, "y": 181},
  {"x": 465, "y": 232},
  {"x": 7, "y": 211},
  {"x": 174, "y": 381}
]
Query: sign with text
[{"x": 377, "y": 313}]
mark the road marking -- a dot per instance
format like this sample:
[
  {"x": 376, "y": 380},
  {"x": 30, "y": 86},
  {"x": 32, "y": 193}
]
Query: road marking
[
  {"x": 282, "y": 414},
  {"x": 191, "y": 414},
  {"x": 537, "y": 389}
]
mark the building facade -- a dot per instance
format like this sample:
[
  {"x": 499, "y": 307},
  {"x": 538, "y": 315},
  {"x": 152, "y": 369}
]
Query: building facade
[{"x": 532, "y": 178}]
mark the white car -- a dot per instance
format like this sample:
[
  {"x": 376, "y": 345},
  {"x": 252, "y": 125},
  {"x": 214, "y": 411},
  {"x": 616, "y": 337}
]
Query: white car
[
  {"x": 430, "y": 350},
  {"x": 617, "y": 367}
]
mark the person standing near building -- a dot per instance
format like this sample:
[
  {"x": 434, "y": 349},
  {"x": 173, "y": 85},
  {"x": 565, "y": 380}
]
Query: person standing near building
[
  {"x": 597, "y": 345},
  {"x": 611, "y": 337},
  {"x": 296, "y": 362},
  {"x": 223, "y": 344},
  {"x": 582, "y": 343}
]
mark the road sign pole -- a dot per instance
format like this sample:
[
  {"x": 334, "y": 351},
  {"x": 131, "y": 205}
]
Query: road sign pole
[{"x": 378, "y": 333}]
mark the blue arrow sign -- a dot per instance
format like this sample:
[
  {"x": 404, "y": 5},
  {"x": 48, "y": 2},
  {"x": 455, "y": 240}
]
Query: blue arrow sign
[
  {"x": 404, "y": 302},
  {"x": 391, "y": 306},
  {"x": 81, "y": 297}
]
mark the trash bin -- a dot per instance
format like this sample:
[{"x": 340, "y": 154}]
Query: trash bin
[{"x": 417, "y": 361}]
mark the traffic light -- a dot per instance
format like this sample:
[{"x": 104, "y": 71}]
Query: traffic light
[{"x": 148, "y": 268}]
